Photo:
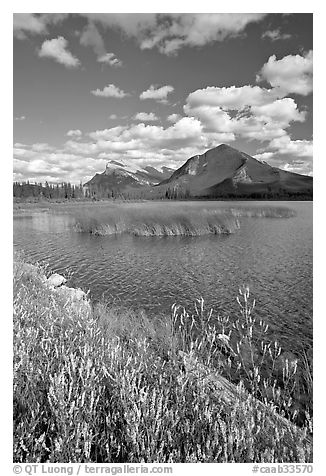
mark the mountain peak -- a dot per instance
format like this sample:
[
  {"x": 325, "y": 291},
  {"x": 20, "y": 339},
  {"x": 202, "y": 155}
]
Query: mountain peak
[
  {"x": 124, "y": 174},
  {"x": 226, "y": 170},
  {"x": 225, "y": 147},
  {"x": 220, "y": 172}
]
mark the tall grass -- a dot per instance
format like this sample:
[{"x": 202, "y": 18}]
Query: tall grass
[
  {"x": 169, "y": 219},
  {"x": 111, "y": 385}
]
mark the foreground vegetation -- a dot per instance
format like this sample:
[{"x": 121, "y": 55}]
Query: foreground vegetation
[
  {"x": 100, "y": 384},
  {"x": 169, "y": 219}
]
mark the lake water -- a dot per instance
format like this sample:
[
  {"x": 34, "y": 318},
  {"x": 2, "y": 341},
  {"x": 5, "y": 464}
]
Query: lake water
[{"x": 272, "y": 255}]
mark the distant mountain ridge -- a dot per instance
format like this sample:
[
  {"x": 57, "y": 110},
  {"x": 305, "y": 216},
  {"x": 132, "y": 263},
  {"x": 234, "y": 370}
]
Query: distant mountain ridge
[
  {"x": 120, "y": 177},
  {"x": 221, "y": 172}
]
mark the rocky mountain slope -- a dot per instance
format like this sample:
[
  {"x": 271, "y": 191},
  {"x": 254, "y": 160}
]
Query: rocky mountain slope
[{"x": 227, "y": 172}]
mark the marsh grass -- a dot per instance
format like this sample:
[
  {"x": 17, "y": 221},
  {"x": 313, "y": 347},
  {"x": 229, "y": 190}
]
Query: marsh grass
[
  {"x": 160, "y": 222},
  {"x": 110, "y": 385},
  {"x": 169, "y": 219}
]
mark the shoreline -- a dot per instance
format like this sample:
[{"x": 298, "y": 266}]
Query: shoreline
[{"x": 124, "y": 334}]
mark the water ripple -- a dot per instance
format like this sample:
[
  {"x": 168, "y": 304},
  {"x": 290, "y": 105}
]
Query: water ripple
[{"x": 273, "y": 256}]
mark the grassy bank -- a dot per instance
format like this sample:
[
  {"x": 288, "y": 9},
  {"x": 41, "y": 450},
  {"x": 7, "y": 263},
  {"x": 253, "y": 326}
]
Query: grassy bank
[
  {"x": 169, "y": 219},
  {"x": 109, "y": 385}
]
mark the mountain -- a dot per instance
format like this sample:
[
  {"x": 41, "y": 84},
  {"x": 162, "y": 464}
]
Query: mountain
[
  {"x": 225, "y": 172},
  {"x": 121, "y": 177},
  {"x": 221, "y": 172}
]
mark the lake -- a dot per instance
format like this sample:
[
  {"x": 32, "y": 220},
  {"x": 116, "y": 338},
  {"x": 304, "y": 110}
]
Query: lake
[{"x": 272, "y": 255}]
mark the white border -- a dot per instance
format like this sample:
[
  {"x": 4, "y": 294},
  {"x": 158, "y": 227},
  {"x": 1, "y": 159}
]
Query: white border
[{"x": 319, "y": 185}]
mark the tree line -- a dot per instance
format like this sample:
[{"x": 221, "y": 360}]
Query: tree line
[
  {"x": 68, "y": 191},
  {"x": 64, "y": 190}
]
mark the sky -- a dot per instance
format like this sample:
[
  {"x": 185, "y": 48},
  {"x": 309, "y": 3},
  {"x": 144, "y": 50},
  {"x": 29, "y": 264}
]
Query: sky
[{"x": 156, "y": 89}]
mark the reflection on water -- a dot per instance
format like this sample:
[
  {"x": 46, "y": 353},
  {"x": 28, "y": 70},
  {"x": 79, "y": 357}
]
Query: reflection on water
[
  {"x": 52, "y": 224},
  {"x": 273, "y": 256}
]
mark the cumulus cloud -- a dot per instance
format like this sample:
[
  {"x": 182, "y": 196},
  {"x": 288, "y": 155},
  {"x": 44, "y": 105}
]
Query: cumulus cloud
[
  {"x": 27, "y": 22},
  {"x": 54, "y": 167},
  {"x": 233, "y": 98},
  {"x": 111, "y": 59},
  {"x": 298, "y": 148},
  {"x": 110, "y": 91},
  {"x": 254, "y": 112},
  {"x": 187, "y": 132},
  {"x": 288, "y": 154},
  {"x": 256, "y": 128},
  {"x": 74, "y": 133},
  {"x": 275, "y": 35},
  {"x": 155, "y": 145},
  {"x": 146, "y": 117},
  {"x": 173, "y": 118},
  {"x": 144, "y": 144},
  {"x": 249, "y": 112},
  {"x": 34, "y": 24},
  {"x": 170, "y": 32},
  {"x": 264, "y": 156},
  {"x": 298, "y": 167},
  {"x": 91, "y": 37},
  {"x": 57, "y": 49},
  {"x": 159, "y": 94},
  {"x": 213, "y": 118},
  {"x": 291, "y": 74},
  {"x": 42, "y": 147},
  {"x": 212, "y": 115},
  {"x": 176, "y": 143},
  {"x": 109, "y": 134},
  {"x": 283, "y": 111},
  {"x": 196, "y": 30}
]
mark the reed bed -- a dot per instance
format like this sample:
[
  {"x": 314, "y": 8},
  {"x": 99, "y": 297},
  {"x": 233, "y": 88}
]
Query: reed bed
[
  {"x": 262, "y": 212},
  {"x": 166, "y": 219},
  {"x": 109, "y": 385}
]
